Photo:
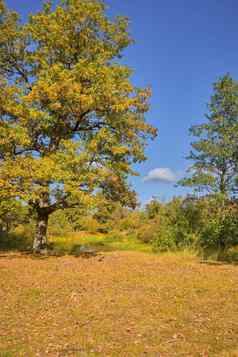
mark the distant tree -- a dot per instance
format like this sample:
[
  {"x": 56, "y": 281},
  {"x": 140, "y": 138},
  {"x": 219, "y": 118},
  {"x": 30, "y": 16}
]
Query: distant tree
[
  {"x": 153, "y": 208},
  {"x": 12, "y": 213},
  {"x": 72, "y": 124},
  {"x": 214, "y": 154}
]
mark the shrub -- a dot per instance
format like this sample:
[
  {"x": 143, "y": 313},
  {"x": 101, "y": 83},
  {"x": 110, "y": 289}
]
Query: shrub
[
  {"x": 171, "y": 237},
  {"x": 165, "y": 239},
  {"x": 220, "y": 234},
  {"x": 147, "y": 233}
]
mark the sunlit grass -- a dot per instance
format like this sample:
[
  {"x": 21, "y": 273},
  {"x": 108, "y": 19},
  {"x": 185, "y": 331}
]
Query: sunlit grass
[
  {"x": 117, "y": 304},
  {"x": 99, "y": 242}
]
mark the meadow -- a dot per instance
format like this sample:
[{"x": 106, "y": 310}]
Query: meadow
[{"x": 121, "y": 301}]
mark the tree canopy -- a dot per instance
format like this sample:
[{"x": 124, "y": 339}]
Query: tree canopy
[
  {"x": 214, "y": 154},
  {"x": 72, "y": 123}
]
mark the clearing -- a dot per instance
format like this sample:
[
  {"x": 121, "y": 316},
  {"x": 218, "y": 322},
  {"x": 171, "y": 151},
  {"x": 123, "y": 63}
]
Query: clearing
[{"x": 118, "y": 303}]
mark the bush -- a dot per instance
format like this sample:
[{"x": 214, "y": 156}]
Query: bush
[
  {"x": 220, "y": 234},
  {"x": 148, "y": 232},
  {"x": 165, "y": 239},
  {"x": 170, "y": 229},
  {"x": 171, "y": 237}
]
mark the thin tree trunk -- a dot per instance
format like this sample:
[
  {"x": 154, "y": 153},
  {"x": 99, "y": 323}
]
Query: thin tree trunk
[{"x": 40, "y": 239}]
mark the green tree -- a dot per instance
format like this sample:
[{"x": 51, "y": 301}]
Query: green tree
[
  {"x": 72, "y": 123},
  {"x": 12, "y": 213},
  {"x": 214, "y": 167},
  {"x": 153, "y": 208}
]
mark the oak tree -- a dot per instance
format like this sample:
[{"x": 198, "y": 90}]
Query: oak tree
[{"x": 72, "y": 123}]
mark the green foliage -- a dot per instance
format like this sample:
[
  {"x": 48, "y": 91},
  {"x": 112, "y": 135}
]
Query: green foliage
[
  {"x": 214, "y": 154},
  {"x": 170, "y": 229},
  {"x": 115, "y": 241},
  {"x": 153, "y": 208},
  {"x": 12, "y": 213},
  {"x": 165, "y": 239},
  {"x": 174, "y": 237},
  {"x": 18, "y": 240},
  {"x": 59, "y": 223},
  {"x": 208, "y": 224},
  {"x": 214, "y": 169},
  {"x": 220, "y": 233},
  {"x": 124, "y": 220}
]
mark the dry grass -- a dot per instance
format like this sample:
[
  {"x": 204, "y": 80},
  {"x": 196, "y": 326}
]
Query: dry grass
[{"x": 117, "y": 304}]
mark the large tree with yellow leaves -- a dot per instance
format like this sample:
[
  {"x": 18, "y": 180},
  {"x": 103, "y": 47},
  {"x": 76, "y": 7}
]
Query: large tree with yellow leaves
[{"x": 72, "y": 123}]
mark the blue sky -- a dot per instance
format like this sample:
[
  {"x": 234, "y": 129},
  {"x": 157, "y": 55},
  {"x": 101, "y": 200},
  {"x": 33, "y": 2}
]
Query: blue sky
[{"x": 181, "y": 47}]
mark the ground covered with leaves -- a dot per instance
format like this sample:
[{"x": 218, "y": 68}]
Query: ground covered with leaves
[{"x": 117, "y": 304}]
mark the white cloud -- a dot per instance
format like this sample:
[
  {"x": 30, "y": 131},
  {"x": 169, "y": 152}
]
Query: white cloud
[{"x": 161, "y": 174}]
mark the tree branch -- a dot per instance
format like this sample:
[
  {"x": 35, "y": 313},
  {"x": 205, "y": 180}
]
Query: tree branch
[{"x": 76, "y": 127}]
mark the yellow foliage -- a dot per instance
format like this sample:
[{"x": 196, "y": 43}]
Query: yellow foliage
[{"x": 71, "y": 120}]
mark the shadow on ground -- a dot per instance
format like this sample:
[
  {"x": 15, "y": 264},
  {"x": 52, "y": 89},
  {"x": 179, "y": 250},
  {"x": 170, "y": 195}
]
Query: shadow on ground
[
  {"x": 11, "y": 243},
  {"x": 90, "y": 247},
  {"x": 14, "y": 242},
  {"x": 216, "y": 257}
]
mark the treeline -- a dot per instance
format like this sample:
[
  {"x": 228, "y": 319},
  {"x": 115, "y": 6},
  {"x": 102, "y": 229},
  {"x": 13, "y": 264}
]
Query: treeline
[{"x": 207, "y": 225}]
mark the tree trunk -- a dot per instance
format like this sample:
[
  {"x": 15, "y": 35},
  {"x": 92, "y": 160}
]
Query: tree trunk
[{"x": 40, "y": 239}]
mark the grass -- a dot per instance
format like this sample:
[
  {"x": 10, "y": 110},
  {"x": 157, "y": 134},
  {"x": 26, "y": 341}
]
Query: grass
[
  {"x": 118, "y": 303},
  {"x": 121, "y": 302},
  {"x": 99, "y": 242},
  {"x": 70, "y": 242}
]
